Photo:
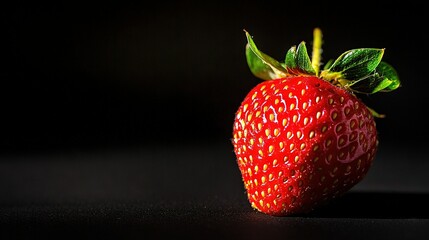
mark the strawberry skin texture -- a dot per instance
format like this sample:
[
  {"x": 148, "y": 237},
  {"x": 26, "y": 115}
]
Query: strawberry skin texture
[{"x": 299, "y": 142}]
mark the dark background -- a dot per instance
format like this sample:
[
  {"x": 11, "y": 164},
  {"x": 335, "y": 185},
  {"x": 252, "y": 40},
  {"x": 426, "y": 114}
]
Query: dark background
[
  {"x": 117, "y": 116},
  {"x": 114, "y": 74}
]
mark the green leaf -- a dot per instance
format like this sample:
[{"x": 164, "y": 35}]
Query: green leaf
[
  {"x": 328, "y": 64},
  {"x": 386, "y": 70},
  {"x": 369, "y": 84},
  {"x": 257, "y": 66},
  {"x": 303, "y": 60},
  {"x": 355, "y": 64},
  {"x": 383, "y": 79},
  {"x": 297, "y": 60},
  {"x": 290, "y": 63},
  {"x": 256, "y": 59}
]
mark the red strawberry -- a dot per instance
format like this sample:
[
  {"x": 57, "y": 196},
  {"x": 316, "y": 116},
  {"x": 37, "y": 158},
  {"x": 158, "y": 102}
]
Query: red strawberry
[{"x": 303, "y": 137}]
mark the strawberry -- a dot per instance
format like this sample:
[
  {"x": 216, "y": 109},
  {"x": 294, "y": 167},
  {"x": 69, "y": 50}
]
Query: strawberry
[{"x": 303, "y": 137}]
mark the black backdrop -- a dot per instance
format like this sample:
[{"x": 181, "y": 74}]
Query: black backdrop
[
  {"x": 117, "y": 74},
  {"x": 116, "y": 117}
]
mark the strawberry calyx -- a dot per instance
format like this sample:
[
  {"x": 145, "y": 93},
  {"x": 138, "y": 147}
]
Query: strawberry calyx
[{"x": 358, "y": 70}]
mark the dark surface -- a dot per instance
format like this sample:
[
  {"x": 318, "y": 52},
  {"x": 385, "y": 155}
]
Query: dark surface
[{"x": 195, "y": 191}]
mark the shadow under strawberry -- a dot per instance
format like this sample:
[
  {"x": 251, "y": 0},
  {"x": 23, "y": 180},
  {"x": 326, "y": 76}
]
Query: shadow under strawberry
[{"x": 376, "y": 205}]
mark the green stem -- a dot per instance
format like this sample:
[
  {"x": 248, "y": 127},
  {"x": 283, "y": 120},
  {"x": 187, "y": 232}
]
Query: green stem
[{"x": 317, "y": 50}]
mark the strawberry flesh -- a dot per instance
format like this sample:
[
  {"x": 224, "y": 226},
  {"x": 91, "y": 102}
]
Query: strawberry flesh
[{"x": 301, "y": 141}]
